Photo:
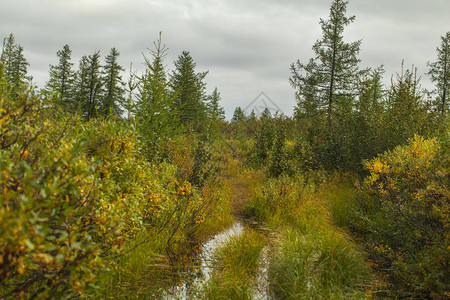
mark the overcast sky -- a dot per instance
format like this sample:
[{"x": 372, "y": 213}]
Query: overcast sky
[{"x": 246, "y": 45}]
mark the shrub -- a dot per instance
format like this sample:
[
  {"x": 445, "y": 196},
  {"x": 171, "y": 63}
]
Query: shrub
[{"x": 404, "y": 214}]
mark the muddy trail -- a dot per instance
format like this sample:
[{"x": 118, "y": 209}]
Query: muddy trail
[{"x": 196, "y": 284}]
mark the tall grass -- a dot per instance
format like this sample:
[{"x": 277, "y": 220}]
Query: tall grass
[
  {"x": 315, "y": 258},
  {"x": 236, "y": 264},
  {"x": 142, "y": 272},
  {"x": 318, "y": 266}
]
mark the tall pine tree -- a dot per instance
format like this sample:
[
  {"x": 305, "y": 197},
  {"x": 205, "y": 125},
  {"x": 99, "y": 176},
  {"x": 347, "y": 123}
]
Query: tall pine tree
[
  {"x": 330, "y": 79},
  {"x": 327, "y": 85},
  {"x": 189, "y": 89},
  {"x": 440, "y": 73},
  {"x": 156, "y": 114},
  {"x": 114, "y": 92},
  {"x": 62, "y": 78},
  {"x": 15, "y": 65},
  {"x": 89, "y": 86}
]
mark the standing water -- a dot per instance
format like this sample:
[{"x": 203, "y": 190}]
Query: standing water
[{"x": 185, "y": 290}]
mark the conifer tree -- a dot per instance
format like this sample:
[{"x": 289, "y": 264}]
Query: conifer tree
[
  {"x": 216, "y": 114},
  {"x": 266, "y": 114},
  {"x": 330, "y": 79},
  {"x": 156, "y": 113},
  {"x": 189, "y": 89},
  {"x": 62, "y": 78},
  {"x": 406, "y": 113},
  {"x": 89, "y": 86},
  {"x": 113, "y": 85},
  {"x": 440, "y": 73},
  {"x": 215, "y": 111},
  {"x": 238, "y": 115},
  {"x": 81, "y": 92},
  {"x": 14, "y": 63}
]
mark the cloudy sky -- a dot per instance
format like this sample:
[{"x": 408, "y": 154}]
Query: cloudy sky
[{"x": 247, "y": 45}]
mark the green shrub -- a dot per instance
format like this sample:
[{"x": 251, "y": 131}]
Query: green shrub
[{"x": 404, "y": 213}]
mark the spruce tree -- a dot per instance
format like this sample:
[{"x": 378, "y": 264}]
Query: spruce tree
[
  {"x": 62, "y": 78},
  {"x": 156, "y": 114},
  {"x": 216, "y": 114},
  {"x": 215, "y": 111},
  {"x": 15, "y": 65},
  {"x": 440, "y": 73},
  {"x": 330, "y": 79},
  {"x": 81, "y": 90},
  {"x": 326, "y": 86},
  {"x": 89, "y": 86},
  {"x": 406, "y": 113},
  {"x": 113, "y": 84},
  {"x": 189, "y": 89},
  {"x": 238, "y": 115}
]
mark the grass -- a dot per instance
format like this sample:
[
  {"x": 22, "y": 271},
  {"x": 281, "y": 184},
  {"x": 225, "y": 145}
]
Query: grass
[
  {"x": 315, "y": 258},
  {"x": 145, "y": 271},
  {"x": 318, "y": 266},
  {"x": 236, "y": 264},
  {"x": 142, "y": 272}
]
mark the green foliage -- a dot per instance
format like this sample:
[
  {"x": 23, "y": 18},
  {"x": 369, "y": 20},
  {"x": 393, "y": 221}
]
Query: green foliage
[
  {"x": 216, "y": 114},
  {"x": 204, "y": 168},
  {"x": 440, "y": 74},
  {"x": 330, "y": 78},
  {"x": 279, "y": 158},
  {"x": 73, "y": 193},
  {"x": 62, "y": 79},
  {"x": 236, "y": 265},
  {"x": 318, "y": 265},
  {"x": 265, "y": 136},
  {"x": 48, "y": 213},
  {"x": 14, "y": 63},
  {"x": 113, "y": 97},
  {"x": 405, "y": 112},
  {"x": 189, "y": 90},
  {"x": 89, "y": 86},
  {"x": 155, "y": 112},
  {"x": 238, "y": 115},
  {"x": 403, "y": 212}
]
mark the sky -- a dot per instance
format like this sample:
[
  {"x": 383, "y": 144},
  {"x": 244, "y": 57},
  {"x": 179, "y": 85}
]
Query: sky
[{"x": 246, "y": 45}]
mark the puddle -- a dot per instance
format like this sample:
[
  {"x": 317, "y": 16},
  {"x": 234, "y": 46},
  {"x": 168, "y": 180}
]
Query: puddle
[
  {"x": 261, "y": 288},
  {"x": 186, "y": 289}
]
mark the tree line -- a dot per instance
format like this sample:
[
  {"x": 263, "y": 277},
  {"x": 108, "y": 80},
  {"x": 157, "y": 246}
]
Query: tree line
[
  {"x": 159, "y": 102},
  {"x": 345, "y": 114}
]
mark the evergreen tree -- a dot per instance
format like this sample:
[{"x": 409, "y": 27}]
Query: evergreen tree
[
  {"x": 216, "y": 114},
  {"x": 62, "y": 78},
  {"x": 406, "y": 113},
  {"x": 329, "y": 80},
  {"x": 326, "y": 88},
  {"x": 81, "y": 88},
  {"x": 89, "y": 86},
  {"x": 238, "y": 115},
  {"x": 440, "y": 73},
  {"x": 368, "y": 120},
  {"x": 114, "y": 86},
  {"x": 266, "y": 114},
  {"x": 14, "y": 63},
  {"x": 189, "y": 89},
  {"x": 215, "y": 111},
  {"x": 156, "y": 114}
]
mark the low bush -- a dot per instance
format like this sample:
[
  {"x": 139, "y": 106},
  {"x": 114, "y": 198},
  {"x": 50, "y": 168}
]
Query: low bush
[{"x": 403, "y": 215}]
